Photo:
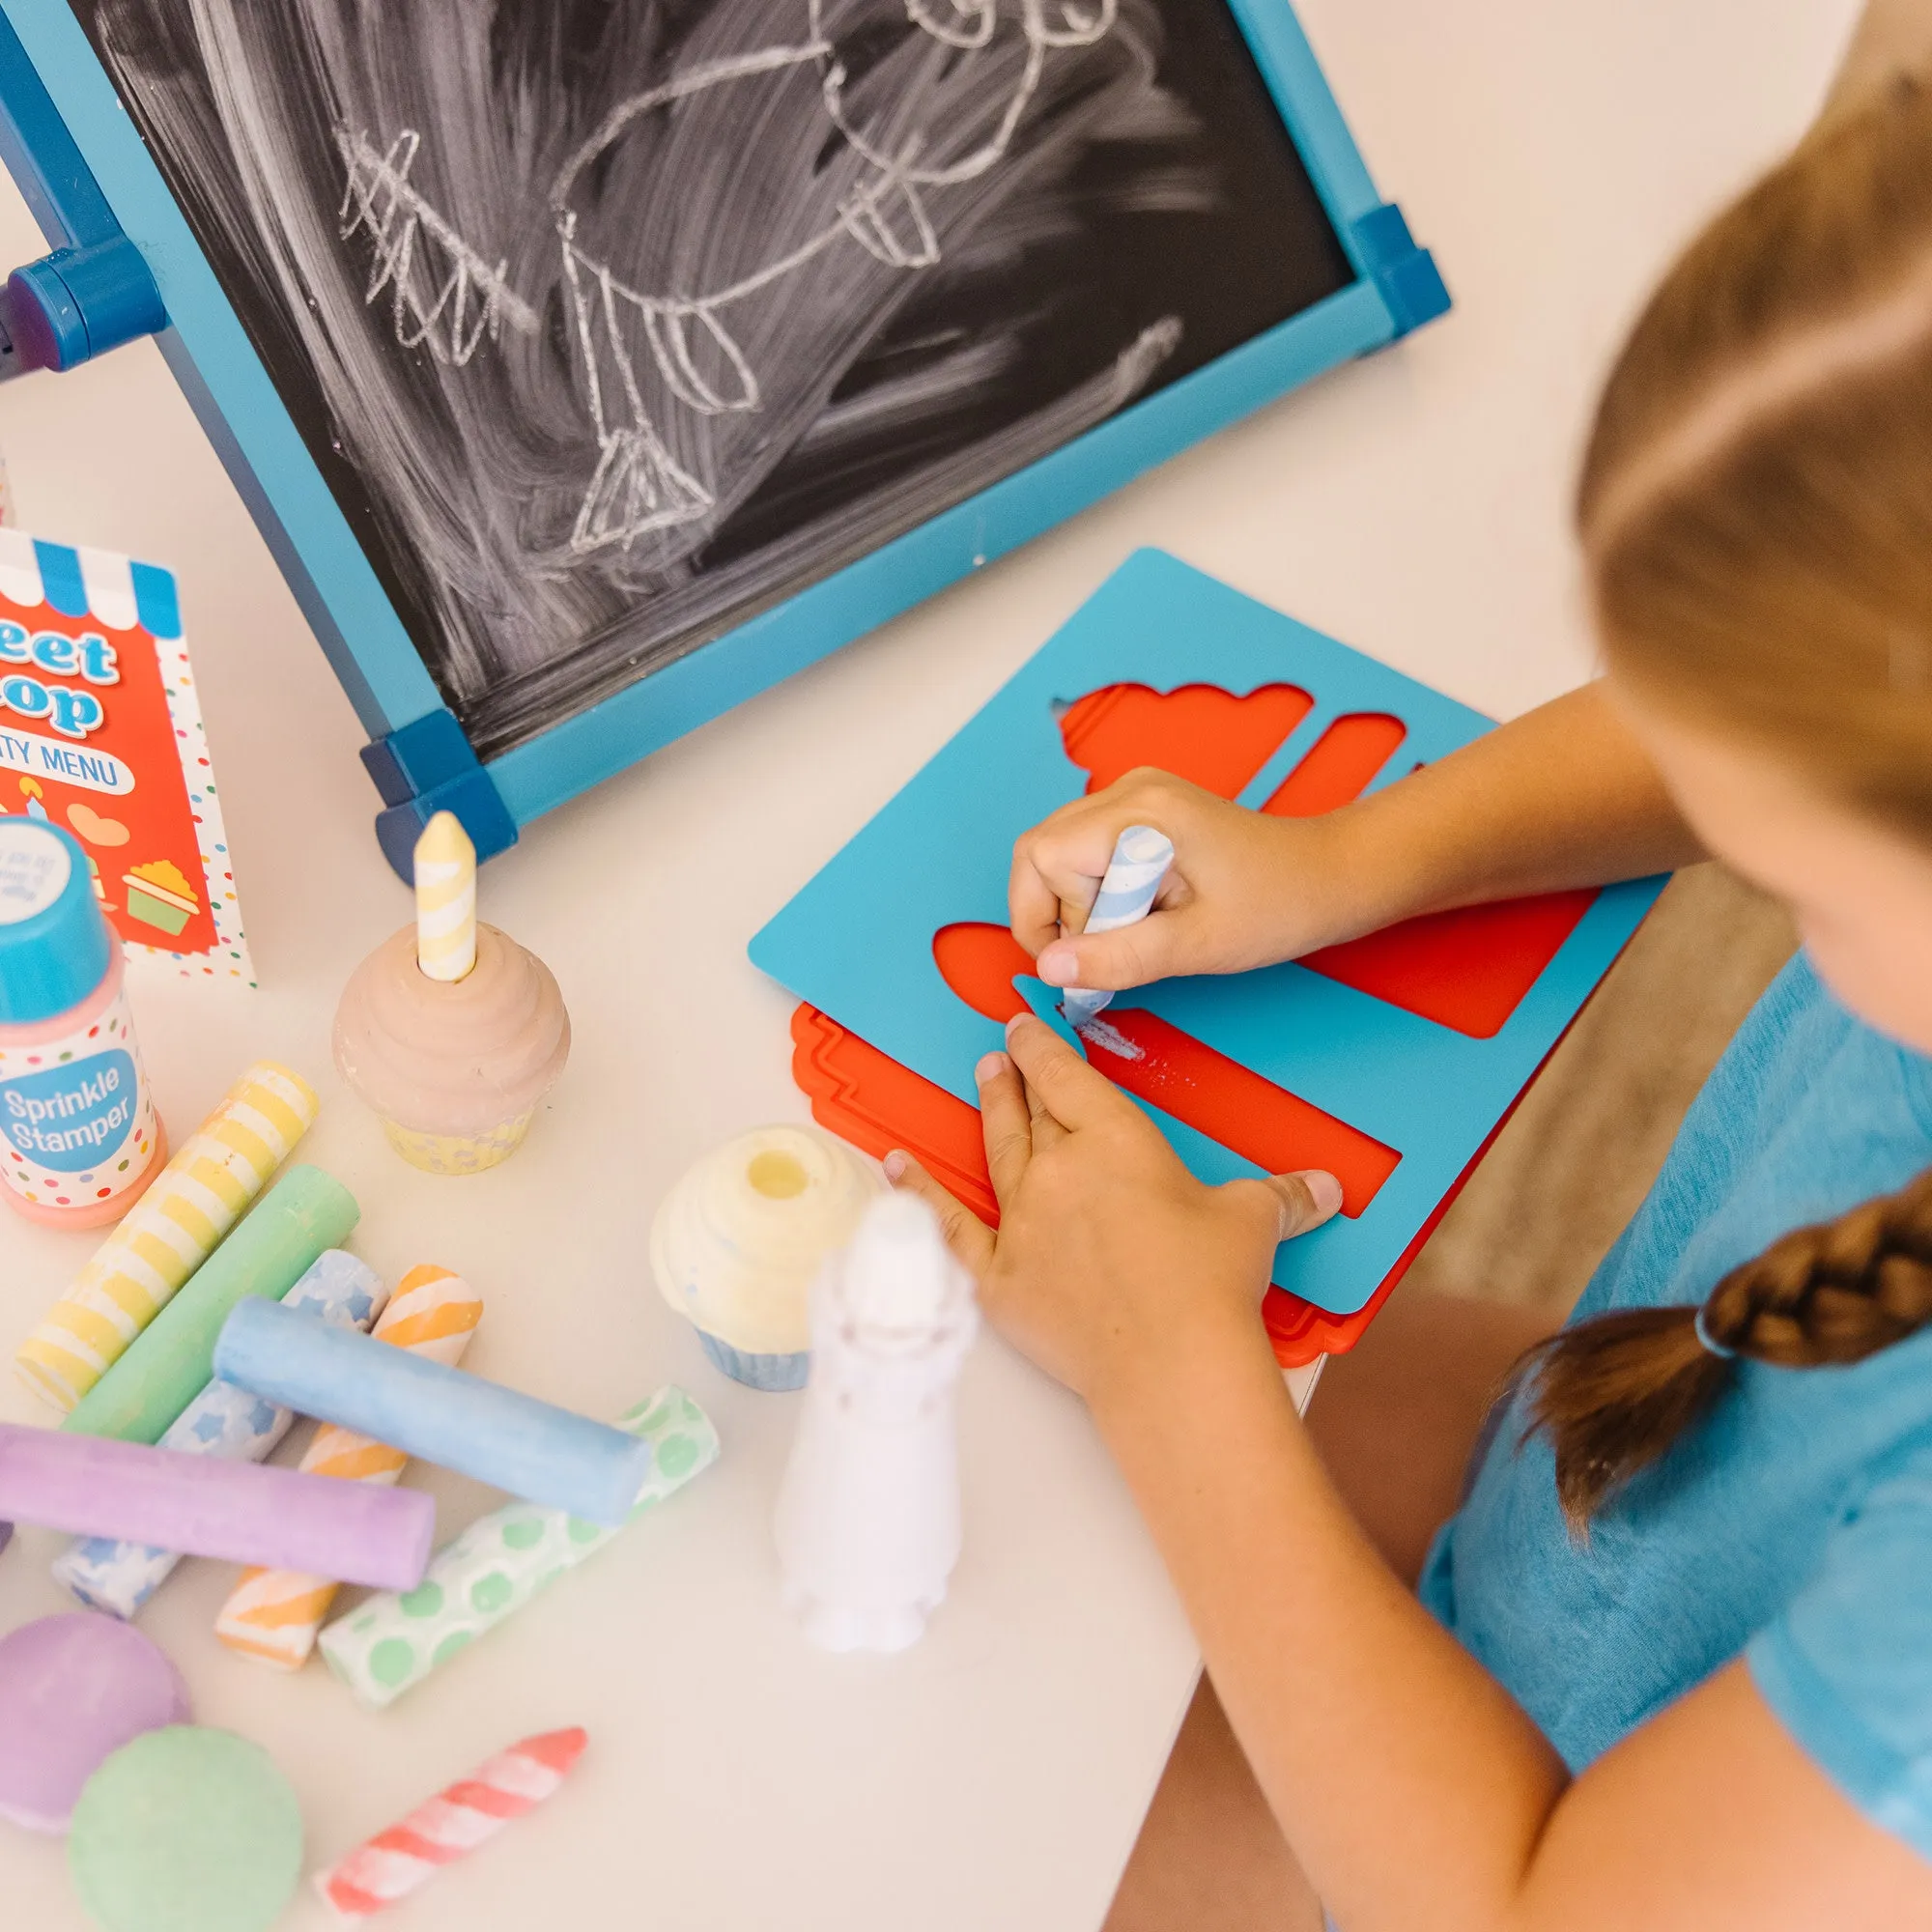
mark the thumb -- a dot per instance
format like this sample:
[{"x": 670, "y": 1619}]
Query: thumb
[
  {"x": 1291, "y": 1204},
  {"x": 1154, "y": 947}
]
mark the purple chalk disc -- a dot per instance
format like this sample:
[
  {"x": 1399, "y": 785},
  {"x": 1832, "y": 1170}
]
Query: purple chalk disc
[{"x": 74, "y": 1689}]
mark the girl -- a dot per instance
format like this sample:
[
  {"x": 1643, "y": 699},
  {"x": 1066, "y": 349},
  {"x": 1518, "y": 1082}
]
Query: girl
[{"x": 1671, "y": 1662}]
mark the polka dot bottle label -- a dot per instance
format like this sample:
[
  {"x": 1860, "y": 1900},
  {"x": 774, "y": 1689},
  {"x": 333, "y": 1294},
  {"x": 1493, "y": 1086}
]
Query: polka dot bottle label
[{"x": 77, "y": 1119}]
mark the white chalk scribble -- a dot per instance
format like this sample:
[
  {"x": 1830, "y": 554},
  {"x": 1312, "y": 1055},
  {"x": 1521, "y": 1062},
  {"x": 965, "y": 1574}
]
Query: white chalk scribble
[
  {"x": 639, "y": 487},
  {"x": 629, "y": 327},
  {"x": 451, "y": 316},
  {"x": 1109, "y": 1038}
]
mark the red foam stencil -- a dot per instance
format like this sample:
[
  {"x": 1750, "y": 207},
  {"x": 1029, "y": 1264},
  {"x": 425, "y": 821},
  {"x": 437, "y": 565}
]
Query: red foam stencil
[
  {"x": 1338, "y": 766},
  {"x": 1466, "y": 970},
  {"x": 1199, "y": 732},
  {"x": 1242, "y": 1111},
  {"x": 1167, "y": 1068}
]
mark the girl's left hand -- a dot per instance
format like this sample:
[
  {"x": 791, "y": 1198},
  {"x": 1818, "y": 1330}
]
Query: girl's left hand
[{"x": 1109, "y": 1254}]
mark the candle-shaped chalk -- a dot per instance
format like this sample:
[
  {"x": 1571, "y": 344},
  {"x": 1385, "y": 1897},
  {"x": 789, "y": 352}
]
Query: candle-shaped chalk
[
  {"x": 305, "y": 1213},
  {"x": 868, "y": 1510},
  {"x": 489, "y": 1573},
  {"x": 446, "y": 869},
  {"x": 275, "y": 1615},
  {"x": 450, "y": 1031},
  {"x": 1140, "y": 861},
  {"x": 171, "y": 1231},
  {"x": 454, "y": 1823},
  {"x": 226, "y": 1421},
  {"x": 479, "y": 1429},
  {"x": 241, "y": 1511}
]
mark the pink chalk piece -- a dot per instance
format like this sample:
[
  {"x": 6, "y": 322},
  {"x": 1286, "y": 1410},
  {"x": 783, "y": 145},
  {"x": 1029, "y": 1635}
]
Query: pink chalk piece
[
  {"x": 241, "y": 1511},
  {"x": 470, "y": 1813},
  {"x": 74, "y": 1689}
]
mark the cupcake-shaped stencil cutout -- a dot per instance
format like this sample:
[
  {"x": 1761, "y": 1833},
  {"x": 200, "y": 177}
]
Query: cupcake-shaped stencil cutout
[
  {"x": 737, "y": 1242},
  {"x": 449, "y": 1030}
]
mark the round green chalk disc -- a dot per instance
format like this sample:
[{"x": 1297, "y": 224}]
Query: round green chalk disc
[{"x": 187, "y": 1829}]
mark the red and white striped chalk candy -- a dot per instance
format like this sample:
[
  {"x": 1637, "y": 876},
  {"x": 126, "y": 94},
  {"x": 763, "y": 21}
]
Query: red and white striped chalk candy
[{"x": 394, "y": 1863}]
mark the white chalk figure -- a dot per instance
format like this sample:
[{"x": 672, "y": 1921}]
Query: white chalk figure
[
  {"x": 868, "y": 1512},
  {"x": 649, "y": 355},
  {"x": 689, "y": 337}
]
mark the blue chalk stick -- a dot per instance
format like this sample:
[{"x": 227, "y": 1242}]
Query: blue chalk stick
[{"x": 530, "y": 1448}]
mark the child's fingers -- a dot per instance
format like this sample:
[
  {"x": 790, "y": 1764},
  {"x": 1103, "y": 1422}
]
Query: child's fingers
[
  {"x": 1153, "y": 948},
  {"x": 1065, "y": 1088},
  {"x": 966, "y": 1234},
  {"x": 1042, "y": 895},
  {"x": 1288, "y": 1204},
  {"x": 1006, "y": 1120},
  {"x": 1059, "y": 864}
]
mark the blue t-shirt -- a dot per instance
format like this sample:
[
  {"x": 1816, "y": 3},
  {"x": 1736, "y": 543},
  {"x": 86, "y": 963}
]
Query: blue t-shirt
[{"x": 1793, "y": 1524}]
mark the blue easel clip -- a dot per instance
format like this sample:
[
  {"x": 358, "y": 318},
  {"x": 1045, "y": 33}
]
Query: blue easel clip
[
  {"x": 95, "y": 291},
  {"x": 428, "y": 766},
  {"x": 1405, "y": 273}
]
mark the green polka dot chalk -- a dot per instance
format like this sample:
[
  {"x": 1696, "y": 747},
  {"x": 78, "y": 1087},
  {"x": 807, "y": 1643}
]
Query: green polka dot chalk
[
  {"x": 499, "y": 1563},
  {"x": 187, "y": 1831}
]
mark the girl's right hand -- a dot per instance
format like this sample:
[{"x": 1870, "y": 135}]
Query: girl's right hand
[{"x": 1244, "y": 891}]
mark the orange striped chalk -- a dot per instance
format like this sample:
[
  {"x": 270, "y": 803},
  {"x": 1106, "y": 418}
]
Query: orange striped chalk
[
  {"x": 470, "y": 1813},
  {"x": 274, "y": 1615}
]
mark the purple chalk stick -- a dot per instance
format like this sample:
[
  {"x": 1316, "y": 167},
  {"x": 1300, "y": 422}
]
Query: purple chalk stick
[
  {"x": 247, "y": 1513},
  {"x": 72, "y": 1690}
]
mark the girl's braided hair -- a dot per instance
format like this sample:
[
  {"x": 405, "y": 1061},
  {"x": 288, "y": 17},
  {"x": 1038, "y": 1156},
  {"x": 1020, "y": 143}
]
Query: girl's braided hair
[
  {"x": 1755, "y": 510},
  {"x": 1615, "y": 1392}
]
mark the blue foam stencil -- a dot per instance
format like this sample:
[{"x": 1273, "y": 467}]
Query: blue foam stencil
[{"x": 857, "y": 941}]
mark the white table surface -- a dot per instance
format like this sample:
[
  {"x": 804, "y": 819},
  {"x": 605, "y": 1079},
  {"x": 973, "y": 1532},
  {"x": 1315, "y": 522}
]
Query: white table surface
[{"x": 1413, "y": 504}]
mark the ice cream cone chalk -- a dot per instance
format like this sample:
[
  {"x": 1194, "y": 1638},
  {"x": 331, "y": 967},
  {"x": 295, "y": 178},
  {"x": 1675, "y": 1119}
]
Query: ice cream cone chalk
[{"x": 450, "y": 1031}]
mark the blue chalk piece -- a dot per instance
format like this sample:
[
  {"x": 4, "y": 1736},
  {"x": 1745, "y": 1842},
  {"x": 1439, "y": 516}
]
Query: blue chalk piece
[{"x": 526, "y": 1447}]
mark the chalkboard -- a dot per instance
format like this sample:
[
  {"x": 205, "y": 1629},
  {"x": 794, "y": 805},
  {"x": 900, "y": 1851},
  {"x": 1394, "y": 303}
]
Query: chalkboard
[{"x": 610, "y": 324}]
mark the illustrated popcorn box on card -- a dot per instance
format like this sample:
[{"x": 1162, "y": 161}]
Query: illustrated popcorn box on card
[{"x": 101, "y": 732}]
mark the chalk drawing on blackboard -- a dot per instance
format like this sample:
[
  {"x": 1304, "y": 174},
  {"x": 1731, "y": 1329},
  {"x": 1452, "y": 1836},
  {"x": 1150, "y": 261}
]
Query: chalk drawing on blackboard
[
  {"x": 474, "y": 299},
  {"x": 639, "y": 487},
  {"x": 651, "y": 314}
]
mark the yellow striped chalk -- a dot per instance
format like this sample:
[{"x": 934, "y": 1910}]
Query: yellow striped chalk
[
  {"x": 273, "y": 1615},
  {"x": 445, "y": 870},
  {"x": 174, "y": 1227}
]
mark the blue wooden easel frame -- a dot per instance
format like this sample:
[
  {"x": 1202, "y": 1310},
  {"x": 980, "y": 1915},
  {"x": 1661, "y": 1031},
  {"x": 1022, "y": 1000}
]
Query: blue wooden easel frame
[{"x": 91, "y": 181}]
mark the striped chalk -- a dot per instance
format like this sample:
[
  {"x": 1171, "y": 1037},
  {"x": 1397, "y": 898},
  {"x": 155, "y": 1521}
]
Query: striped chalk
[
  {"x": 454, "y": 1823},
  {"x": 120, "y": 1576},
  {"x": 168, "y": 1233},
  {"x": 1140, "y": 861},
  {"x": 445, "y": 875},
  {"x": 274, "y": 1615}
]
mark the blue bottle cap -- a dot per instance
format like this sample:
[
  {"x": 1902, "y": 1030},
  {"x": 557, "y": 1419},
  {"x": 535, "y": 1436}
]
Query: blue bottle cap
[{"x": 55, "y": 943}]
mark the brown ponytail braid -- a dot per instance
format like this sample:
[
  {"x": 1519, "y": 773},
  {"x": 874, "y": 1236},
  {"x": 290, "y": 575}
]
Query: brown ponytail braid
[
  {"x": 1614, "y": 1393},
  {"x": 1755, "y": 511}
]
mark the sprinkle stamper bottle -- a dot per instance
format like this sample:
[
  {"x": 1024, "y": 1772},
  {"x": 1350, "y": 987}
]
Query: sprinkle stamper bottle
[{"x": 80, "y": 1137}]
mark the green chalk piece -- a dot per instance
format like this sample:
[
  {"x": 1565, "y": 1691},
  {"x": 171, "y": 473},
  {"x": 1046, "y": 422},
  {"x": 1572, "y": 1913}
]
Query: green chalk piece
[
  {"x": 170, "y": 1362},
  {"x": 187, "y": 1829}
]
